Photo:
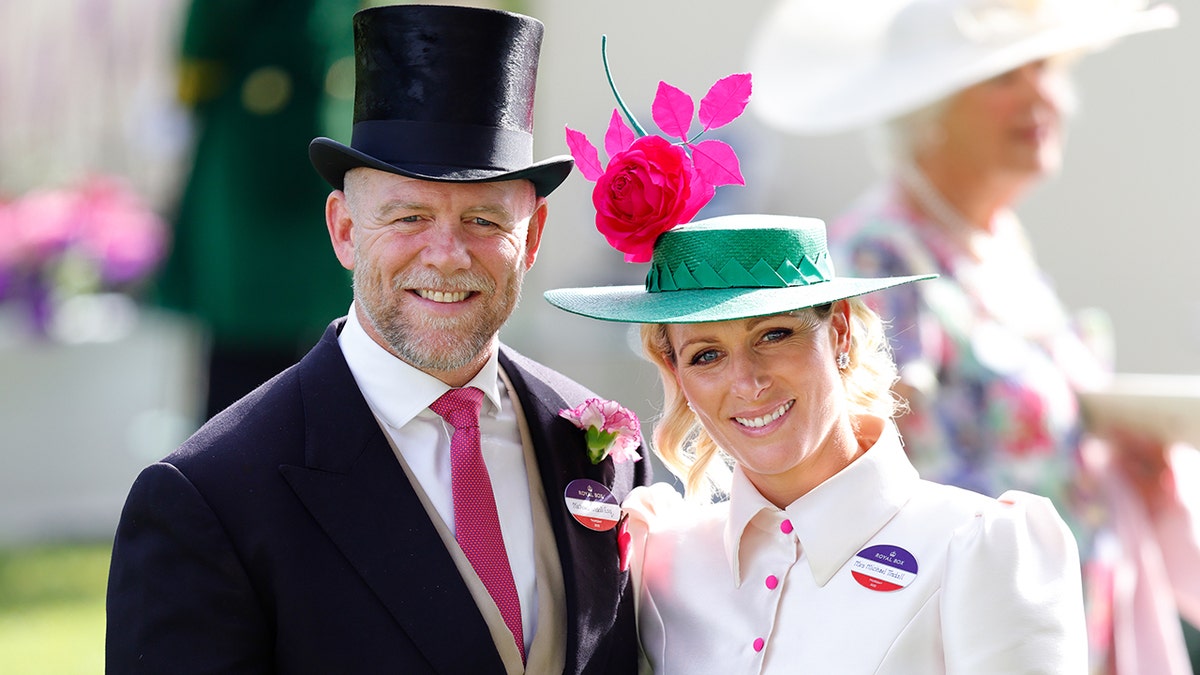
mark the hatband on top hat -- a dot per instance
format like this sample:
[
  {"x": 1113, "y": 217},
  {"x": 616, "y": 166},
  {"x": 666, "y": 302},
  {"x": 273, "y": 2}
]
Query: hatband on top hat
[
  {"x": 727, "y": 268},
  {"x": 443, "y": 93},
  {"x": 829, "y": 67}
]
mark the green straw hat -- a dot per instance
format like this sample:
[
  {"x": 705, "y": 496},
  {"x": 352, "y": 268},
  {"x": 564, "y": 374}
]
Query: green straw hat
[{"x": 727, "y": 268}]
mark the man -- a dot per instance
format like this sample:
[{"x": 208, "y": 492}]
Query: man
[{"x": 339, "y": 518}]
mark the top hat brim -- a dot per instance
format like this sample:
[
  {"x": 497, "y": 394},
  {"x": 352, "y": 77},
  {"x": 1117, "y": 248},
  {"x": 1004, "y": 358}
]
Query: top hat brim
[{"x": 332, "y": 160}]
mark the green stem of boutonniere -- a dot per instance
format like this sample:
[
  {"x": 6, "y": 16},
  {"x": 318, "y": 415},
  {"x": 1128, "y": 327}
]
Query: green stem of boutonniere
[
  {"x": 598, "y": 443},
  {"x": 637, "y": 128}
]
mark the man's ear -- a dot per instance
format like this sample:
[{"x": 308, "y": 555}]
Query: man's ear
[
  {"x": 533, "y": 239},
  {"x": 340, "y": 224}
]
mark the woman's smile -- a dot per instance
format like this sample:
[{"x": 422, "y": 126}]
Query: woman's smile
[{"x": 763, "y": 420}]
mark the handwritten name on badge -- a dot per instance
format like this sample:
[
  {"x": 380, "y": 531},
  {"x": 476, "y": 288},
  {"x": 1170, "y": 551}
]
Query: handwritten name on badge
[
  {"x": 592, "y": 505},
  {"x": 883, "y": 568}
]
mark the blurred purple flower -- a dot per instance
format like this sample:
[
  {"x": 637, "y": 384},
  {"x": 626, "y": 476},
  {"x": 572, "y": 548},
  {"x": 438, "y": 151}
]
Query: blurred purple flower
[
  {"x": 100, "y": 224},
  {"x": 45, "y": 223},
  {"x": 116, "y": 230}
]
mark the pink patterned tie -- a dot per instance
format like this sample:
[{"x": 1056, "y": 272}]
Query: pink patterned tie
[{"x": 476, "y": 525}]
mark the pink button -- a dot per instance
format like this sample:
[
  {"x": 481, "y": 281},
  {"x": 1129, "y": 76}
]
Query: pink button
[
  {"x": 759, "y": 643},
  {"x": 772, "y": 582},
  {"x": 786, "y": 526}
]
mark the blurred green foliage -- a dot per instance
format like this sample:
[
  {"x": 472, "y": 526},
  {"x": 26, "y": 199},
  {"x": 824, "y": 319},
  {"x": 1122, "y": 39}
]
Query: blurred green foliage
[{"x": 52, "y": 609}]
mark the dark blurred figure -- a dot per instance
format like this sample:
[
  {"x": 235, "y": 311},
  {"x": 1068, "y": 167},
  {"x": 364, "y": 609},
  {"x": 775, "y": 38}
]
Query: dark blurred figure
[{"x": 249, "y": 257}]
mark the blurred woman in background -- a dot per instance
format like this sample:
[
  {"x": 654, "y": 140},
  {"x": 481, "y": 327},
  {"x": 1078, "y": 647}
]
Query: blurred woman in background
[{"x": 968, "y": 98}]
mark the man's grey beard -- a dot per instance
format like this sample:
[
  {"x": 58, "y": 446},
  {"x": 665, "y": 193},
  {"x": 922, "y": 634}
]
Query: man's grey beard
[{"x": 422, "y": 342}]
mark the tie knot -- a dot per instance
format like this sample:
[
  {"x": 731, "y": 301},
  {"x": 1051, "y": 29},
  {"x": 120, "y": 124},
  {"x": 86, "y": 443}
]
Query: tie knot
[{"x": 459, "y": 407}]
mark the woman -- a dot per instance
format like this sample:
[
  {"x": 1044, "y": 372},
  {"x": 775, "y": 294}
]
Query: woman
[
  {"x": 989, "y": 360},
  {"x": 830, "y": 554}
]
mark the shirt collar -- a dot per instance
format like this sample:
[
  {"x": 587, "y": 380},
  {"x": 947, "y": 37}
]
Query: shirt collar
[
  {"x": 397, "y": 391},
  {"x": 839, "y": 516}
]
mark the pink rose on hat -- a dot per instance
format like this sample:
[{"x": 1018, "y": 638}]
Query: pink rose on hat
[{"x": 647, "y": 189}]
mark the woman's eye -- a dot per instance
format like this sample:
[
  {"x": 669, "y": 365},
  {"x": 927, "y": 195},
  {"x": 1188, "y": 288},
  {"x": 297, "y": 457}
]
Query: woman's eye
[
  {"x": 776, "y": 334},
  {"x": 703, "y": 357}
]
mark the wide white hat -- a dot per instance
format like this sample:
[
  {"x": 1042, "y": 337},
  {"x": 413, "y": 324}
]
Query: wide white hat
[{"x": 824, "y": 66}]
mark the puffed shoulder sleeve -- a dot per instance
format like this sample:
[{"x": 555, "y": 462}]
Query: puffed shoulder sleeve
[
  {"x": 644, "y": 504},
  {"x": 1012, "y": 600},
  {"x": 644, "y": 507}
]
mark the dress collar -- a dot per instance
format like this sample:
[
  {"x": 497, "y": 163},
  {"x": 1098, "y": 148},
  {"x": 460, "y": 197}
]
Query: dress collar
[
  {"x": 835, "y": 519},
  {"x": 397, "y": 391}
]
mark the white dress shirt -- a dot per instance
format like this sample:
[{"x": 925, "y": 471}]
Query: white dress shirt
[
  {"x": 960, "y": 583},
  {"x": 400, "y": 396}
]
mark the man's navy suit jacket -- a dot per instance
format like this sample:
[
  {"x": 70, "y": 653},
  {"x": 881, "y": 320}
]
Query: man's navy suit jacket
[{"x": 285, "y": 537}]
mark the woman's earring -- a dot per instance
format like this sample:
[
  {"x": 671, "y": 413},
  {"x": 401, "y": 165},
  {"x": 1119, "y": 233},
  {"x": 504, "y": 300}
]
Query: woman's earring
[
  {"x": 843, "y": 361},
  {"x": 689, "y": 405}
]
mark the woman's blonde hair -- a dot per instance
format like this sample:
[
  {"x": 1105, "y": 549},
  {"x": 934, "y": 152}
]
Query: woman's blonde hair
[{"x": 691, "y": 454}]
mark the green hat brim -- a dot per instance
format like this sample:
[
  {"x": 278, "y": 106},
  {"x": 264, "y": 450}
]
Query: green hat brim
[{"x": 634, "y": 304}]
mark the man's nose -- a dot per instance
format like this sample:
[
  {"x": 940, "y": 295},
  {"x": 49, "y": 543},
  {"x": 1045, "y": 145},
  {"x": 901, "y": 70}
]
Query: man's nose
[{"x": 446, "y": 248}]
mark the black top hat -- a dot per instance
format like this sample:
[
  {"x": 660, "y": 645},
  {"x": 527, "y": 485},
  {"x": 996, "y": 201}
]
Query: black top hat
[{"x": 443, "y": 94}]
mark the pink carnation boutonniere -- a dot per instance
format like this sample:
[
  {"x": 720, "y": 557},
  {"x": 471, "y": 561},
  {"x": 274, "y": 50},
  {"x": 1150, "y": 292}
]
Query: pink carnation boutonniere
[
  {"x": 651, "y": 183},
  {"x": 610, "y": 429}
]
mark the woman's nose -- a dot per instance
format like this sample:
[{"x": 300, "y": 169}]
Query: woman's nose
[
  {"x": 1045, "y": 82},
  {"x": 750, "y": 378}
]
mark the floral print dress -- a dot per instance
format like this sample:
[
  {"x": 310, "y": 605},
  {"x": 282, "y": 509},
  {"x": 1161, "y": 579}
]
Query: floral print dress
[{"x": 989, "y": 363}]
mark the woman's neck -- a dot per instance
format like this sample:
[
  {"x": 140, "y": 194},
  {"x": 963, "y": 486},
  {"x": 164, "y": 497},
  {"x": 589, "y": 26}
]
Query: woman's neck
[
  {"x": 956, "y": 197},
  {"x": 844, "y": 445},
  {"x": 966, "y": 207}
]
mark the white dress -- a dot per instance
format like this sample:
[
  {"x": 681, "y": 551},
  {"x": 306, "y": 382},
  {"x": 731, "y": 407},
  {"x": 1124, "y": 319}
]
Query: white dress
[{"x": 874, "y": 571}]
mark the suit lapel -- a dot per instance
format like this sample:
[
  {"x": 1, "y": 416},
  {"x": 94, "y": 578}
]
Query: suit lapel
[
  {"x": 356, "y": 490},
  {"x": 591, "y": 579}
]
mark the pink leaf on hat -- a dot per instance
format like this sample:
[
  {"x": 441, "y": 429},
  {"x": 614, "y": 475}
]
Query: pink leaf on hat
[
  {"x": 717, "y": 163},
  {"x": 587, "y": 158},
  {"x": 725, "y": 101},
  {"x": 673, "y": 110},
  {"x": 619, "y": 136}
]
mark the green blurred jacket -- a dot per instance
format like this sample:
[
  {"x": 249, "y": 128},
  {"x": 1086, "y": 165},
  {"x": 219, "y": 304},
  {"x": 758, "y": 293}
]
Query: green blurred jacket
[{"x": 251, "y": 256}]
